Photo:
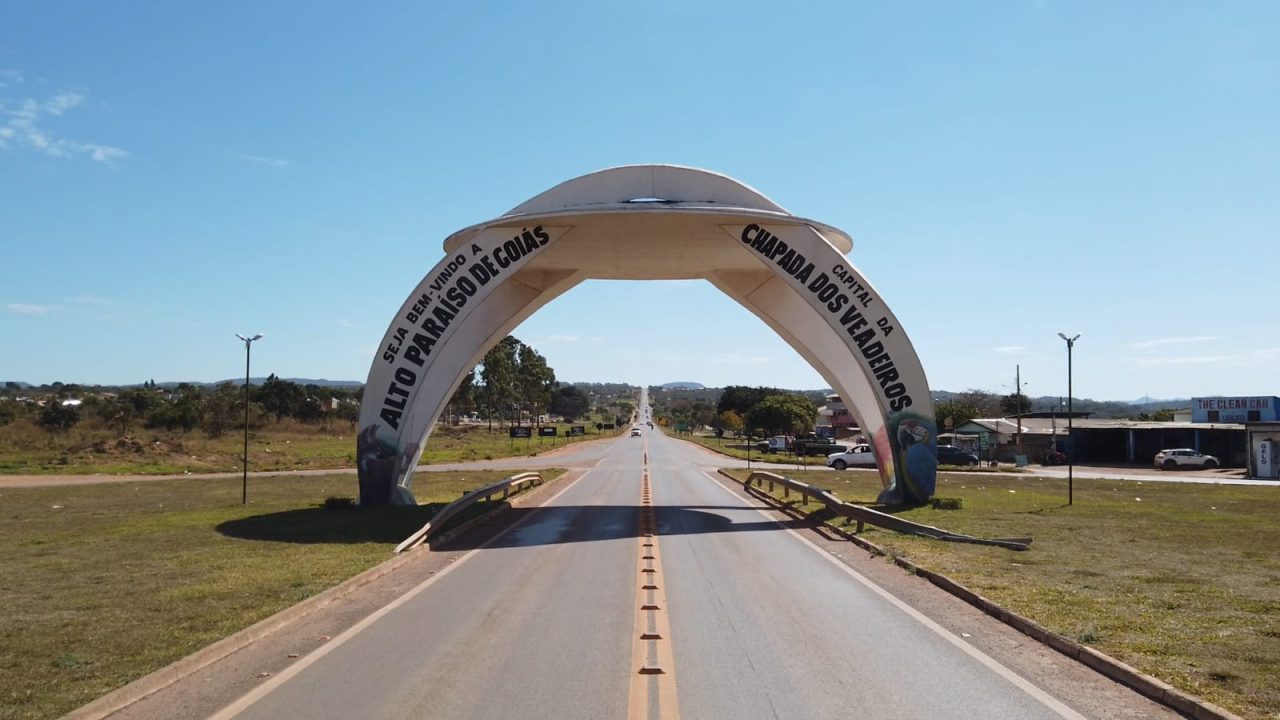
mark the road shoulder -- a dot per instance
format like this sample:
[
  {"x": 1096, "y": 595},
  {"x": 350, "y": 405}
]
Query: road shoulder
[
  {"x": 1083, "y": 689},
  {"x": 213, "y": 677}
]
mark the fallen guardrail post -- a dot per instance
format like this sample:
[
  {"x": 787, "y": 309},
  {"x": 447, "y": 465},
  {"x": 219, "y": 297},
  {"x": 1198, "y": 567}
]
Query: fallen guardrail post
[
  {"x": 866, "y": 516},
  {"x": 441, "y": 518}
]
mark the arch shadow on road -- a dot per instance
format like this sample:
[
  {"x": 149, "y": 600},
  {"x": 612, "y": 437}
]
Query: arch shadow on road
[
  {"x": 556, "y": 525},
  {"x": 318, "y": 525}
]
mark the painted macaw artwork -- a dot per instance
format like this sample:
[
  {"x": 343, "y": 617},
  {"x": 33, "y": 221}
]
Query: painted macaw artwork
[{"x": 918, "y": 460}]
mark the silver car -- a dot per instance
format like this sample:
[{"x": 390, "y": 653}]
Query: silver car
[{"x": 856, "y": 456}]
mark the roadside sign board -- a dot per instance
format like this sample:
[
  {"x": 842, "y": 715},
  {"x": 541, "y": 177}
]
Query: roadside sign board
[
  {"x": 521, "y": 432},
  {"x": 547, "y": 431},
  {"x": 575, "y": 430},
  {"x": 608, "y": 426}
]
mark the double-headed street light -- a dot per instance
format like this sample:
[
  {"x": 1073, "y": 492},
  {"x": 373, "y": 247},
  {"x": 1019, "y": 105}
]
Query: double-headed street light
[
  {"x": 244, "y": 485},
  {"x": 1071, "y": 342}
]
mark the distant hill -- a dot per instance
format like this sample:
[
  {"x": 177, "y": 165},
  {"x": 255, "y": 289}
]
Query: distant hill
[
  {"x": 304, "y": 381},
  {"x": 683, "y": 386},
  {"x": 258, "y": 381}
]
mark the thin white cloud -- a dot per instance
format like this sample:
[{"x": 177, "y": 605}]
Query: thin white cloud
[
  {"x": 10, "y": 77},
  {"x": 593, "y": 339},
  {"x": 260, "y": 160},
  {"x": 343, "y": 323},
  {"x": 1012, "y": 349},
  {"x": 101, "y": 153},
  {"x": 741, "y": 359},
  {"x": 1248, "y": 357},
  {"x": 62, "y": 103},
  {"x": 1145, "y": 344},
  {"x": 24, "y": 124},
  {"x": 29, "y": 309}
]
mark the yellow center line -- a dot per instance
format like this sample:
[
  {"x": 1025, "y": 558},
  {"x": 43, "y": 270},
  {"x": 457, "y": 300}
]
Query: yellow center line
[{"x": 653, "y": 684}]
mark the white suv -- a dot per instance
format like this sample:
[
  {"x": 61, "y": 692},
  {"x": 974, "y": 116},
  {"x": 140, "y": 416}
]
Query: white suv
[{"x": 1184, "y": 458}]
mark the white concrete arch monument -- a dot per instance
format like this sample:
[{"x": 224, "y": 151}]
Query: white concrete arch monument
[{"x": 647, "y": 222}]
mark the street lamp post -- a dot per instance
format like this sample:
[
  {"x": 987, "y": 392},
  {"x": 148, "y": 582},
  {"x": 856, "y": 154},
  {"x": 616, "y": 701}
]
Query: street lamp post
[
  {"x": 244, "y": 485},
  {"x": 1071, "y": 343}
]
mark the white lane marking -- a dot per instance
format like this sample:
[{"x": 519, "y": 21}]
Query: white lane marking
[
  {"x": 244, "y": 702},
  {"x": 991, "y": 663}
]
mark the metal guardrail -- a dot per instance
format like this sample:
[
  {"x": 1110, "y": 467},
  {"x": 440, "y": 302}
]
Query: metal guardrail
[
  {"x": 440, "y": 519},
  {"x": 867, "y": 516}
]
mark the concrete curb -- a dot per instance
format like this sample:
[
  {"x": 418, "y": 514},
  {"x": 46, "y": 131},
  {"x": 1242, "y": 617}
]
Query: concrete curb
[
  {"x": 1151, "y": 687},
  {"x": 149, "y": 684}
]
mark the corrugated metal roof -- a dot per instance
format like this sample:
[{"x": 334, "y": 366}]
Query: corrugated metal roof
[{"x": 1046, "y": 426}]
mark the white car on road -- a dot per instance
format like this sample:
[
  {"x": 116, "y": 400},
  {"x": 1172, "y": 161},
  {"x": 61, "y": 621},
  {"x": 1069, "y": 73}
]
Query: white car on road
[
  {"x": 1184, "y": 458},
  {"x": 856, "y": 456}
]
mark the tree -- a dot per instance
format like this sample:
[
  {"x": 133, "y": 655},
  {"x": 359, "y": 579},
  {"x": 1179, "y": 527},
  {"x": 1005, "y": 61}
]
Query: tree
[
  {"x": 729, "y": 421},
  {"x": 782, "y": 414},
  {"x": 1014, "y": 404},
  {"x": 280, "y": 397},
  {"x": 222, "y": 409},
  {"x": 985, "y": 404},
  {"x": 499, "y": 372},
  {"x": 701, "y": 413},
  {"x": 183, "y": 409},
  {"x": 740, "y": 398},
  {"x": 570, "y": 402},
  {"x": 56, "y": 417},
  {"x": 311, "y": 408},
  {"x": 142, "y": 400},
  {"x": 534, "y": 377},
  {"x": 464, "y": 398},
  {"x": 10, "y": 410},
  {"x": 116, "y": 412},
  {"x": 348, "y": 411}
]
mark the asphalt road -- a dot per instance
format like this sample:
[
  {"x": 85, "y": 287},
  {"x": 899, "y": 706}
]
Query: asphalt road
[{"x": 545, "y": 621}]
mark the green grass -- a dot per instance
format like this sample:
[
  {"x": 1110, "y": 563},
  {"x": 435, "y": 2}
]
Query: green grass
[
  {"x": 103, "y": 584},
  {"x": 1181, "y": 581},
  {"x": 89, "y": 449}
]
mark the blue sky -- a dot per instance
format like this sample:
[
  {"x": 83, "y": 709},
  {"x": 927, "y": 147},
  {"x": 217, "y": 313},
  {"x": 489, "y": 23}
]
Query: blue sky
[{"x": 173, "y": 173}]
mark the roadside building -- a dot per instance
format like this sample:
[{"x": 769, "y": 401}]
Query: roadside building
[
  {"x": 1260, "y": 415},
  {"x": 1106, "y": 441},
  {"x": 1032, "y": 435},
  {"x": 1263, "y": 441},
  {"x": 834, "y": 419},
  {"x": 1136, "y": 442}
]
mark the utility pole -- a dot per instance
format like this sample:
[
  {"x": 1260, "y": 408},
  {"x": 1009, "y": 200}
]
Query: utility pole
[{"x": 1017, "y": 398}]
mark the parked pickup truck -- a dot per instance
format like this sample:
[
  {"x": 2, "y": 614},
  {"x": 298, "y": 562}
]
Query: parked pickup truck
[
  {"x": 807, "y": 445},
  {"x": 817, "y": 445}
]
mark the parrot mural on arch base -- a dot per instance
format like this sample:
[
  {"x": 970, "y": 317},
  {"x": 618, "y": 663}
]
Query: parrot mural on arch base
[{"x": 908, "y": 441}]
